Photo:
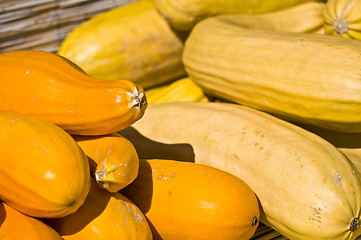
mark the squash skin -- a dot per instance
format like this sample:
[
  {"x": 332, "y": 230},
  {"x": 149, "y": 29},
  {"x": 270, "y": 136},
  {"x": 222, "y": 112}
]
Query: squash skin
[
  {"x": 43, "y": 171},
  {"x": 50, "y": 87},
  {"x": 129, "y": 42},
  {"x": 185, "y": 200},
  {"x": 16, "y": 225},
  {"x": 305, "y": 78},
  {"x": 185, "y": 14},
  {"x": 181, "y": 90},
  {"x": 294, "y": 173},
  {"x": 342, "y": 18},
  {"x": 113, "y": 160},
  {"x": 305, "y": 17},
  {"x": 104, "y": 215}
]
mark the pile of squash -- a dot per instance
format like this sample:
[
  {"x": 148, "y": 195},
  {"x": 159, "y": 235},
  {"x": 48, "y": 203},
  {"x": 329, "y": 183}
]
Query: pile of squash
[{"x": 189, "y": 120}]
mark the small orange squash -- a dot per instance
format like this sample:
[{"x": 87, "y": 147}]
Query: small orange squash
[
  {"x": 113, "y": 160},
  {"x": 185, "y": 200},
  {"x": 43, "y": 171},
  {"x": 16, "y": 225},
  {"x": 104, "y": 215},
  {"x": 50, "y": 87}
]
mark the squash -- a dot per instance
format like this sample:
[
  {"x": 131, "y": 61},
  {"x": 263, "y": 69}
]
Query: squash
[
  {"x": 43, "y": 171},
  {"x": 183, "y": 90},
  {"x": 52, "y": 88},
  {"x": 184, "y": 200},
  {"x": 305, "y": 17},
  {"x": 306, "y": 187},
  {"x": 16, "y": 225},
  {"x": 184, "y": 14},
  {"x": 300, "y": 77},
  {"x": 342, "y": 18},
  {"x": 131, "y": 42},
  {"x": 113, "y": 160},
  {"x": 104, "y": 215}
]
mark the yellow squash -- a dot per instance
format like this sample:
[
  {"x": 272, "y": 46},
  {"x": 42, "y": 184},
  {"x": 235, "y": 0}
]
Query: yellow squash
[
  {"x": 305, "y": 17},
  {"x": 16, "y": 225},
  {"x": 103, "y": 216},
  {"x": 43, "y": 171},
  {"x": 184, "y": 14},
  {"x": 306, "y": 187},
  {"x": 300, "y": 77},
  {"x": 342, "y": 18},
  {"x": 191, "y": 201},
  {"x": 52, "y": 88},
  {"x": 113, "y": 160},
  {"x": 130, "y": 42},
  {"x": 182, "y": 90}
]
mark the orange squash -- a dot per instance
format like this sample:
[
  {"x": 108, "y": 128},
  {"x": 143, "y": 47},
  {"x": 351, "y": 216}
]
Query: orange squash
[
  {"x": 43, "y": 171},
  {"x": 113, "y": 160},
  {"x": 104, "y": 215},
  {"x": 50, "y": 87},
  {"x": 185, "y": 200},
  {"x": 16, "y": 225}
]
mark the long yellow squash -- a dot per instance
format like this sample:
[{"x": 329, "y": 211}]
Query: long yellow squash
[
  {"x": 184, "y": 14},
  {"x": 301, "y": 77},
  {"x": 342, "y": 18},
  {"x": 129, "y": 42},
  {"x": 307, "y": 188}
]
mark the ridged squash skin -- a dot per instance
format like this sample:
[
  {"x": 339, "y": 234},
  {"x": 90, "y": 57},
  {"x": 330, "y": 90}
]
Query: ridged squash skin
[
  {"x": 306, "y": 187},
  {"x": 305, "y": 17},
  {"x": 342, "y": 18},
  {"x": 104, "y": 215},
  {"x": 16, "y": 225},
  {"x": 184, "y": 200},
  {"x": 301, "y": 77},
  {"x": 181, "y": 90},
  {"x": 50, "y": 87},
  {"x": 43, "y": 171},
  {"x": 128, "y": 42},
  {"x": 113, "y": 160},
  {"x": 185, "y": 14}
]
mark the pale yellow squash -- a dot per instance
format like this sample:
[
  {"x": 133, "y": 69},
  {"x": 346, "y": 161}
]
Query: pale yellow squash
[{"x": 306, "y": 187}]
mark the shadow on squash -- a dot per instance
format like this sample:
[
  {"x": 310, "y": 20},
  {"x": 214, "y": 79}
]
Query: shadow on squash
[
  {"x": 93, "y": 206},
  {"x": 2, "y": 213},
  {"x": 149, "y": 149}
]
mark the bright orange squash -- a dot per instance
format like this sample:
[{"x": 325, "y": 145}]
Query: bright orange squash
[
  {"x": 104, "y": 215},
  {"x": 43, "y": 171},
  {"x": 50, "y": 87},
  {"x": 185, "y": 200},
  {"x": 16, "y": 225},
  {"x": 113, "y": 160}
]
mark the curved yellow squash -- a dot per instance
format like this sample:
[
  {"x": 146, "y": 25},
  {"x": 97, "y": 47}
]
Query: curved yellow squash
[
  {"x": 184, "y": 14},
  {"x": 113, "y": 160},
  {"x": 342, "y": 18},
  {"x": 301, "y": 77},
  {"x": 50, "y": 87},
  {"x": 43, "y": 171},
  {"x": 129, "y": 42},
  {"x": 306, "y": 187}
]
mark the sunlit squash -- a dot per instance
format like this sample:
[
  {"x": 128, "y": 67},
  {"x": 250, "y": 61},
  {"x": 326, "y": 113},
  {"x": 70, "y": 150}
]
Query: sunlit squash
[
  {"x": 43, "y": 171},
  {"x": 112, "y": 158},
  {"x": 342, "y": 18},
  {"x": 132, "y": 41},
  {"x": 16, "y": 225},
  {"x": 104, "y": 215},
  {"x": 184, "y": 200},
  {"x": 50, "y": 87}
]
